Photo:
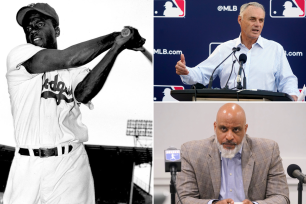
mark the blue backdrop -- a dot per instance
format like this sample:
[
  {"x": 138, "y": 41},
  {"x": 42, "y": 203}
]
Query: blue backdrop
[{"x": 203, "y": 24}]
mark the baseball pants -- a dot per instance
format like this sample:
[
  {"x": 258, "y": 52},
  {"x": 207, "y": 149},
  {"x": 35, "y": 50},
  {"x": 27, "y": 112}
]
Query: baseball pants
[{"x": 63, "y": 179}]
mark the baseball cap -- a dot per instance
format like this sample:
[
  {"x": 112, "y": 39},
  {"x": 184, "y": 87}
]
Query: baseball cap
[{"x": 41, "y": 8}]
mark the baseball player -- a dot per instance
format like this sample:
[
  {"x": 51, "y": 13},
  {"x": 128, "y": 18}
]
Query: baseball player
[{"x": 46, "y": 88}]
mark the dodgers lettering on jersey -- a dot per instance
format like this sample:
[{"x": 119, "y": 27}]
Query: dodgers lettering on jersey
[
  {"x": 43, "y": 106},
  {"x": 57, "y": 90}
]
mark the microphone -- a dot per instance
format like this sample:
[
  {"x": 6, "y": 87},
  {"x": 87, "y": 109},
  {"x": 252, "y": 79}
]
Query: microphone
[
  {"x": 226, "y": 86},
  {"x": 172, "y": 160},
  {"x": 294, "y": 171},
  {"x": 173, "y": 165},
  {"x": 242, "y": 60},
  {"x": 234, "y": 49}
]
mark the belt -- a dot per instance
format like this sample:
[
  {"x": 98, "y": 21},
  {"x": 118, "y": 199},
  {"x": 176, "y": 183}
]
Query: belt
[{"x": 43, "y": 152}]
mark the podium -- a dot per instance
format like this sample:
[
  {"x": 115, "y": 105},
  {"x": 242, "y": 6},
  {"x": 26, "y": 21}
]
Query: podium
[{"x": 228, "y": 95}]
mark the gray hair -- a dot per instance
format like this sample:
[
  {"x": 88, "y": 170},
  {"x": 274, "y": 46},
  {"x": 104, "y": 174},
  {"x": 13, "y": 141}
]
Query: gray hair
[{"x": 244, "y": 6}]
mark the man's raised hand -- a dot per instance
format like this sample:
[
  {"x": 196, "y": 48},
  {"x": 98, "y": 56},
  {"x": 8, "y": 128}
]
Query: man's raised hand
[{"x": 181, "y": 66}]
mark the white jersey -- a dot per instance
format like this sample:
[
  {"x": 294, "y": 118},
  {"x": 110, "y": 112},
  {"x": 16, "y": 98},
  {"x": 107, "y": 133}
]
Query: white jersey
[{"x": 44, "y": 109}]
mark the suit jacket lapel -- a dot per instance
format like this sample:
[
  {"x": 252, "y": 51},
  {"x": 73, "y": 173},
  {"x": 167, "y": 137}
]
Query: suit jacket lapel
[
  {"x": 247, "y": 164},
  {"x": 214, "y": 163}
]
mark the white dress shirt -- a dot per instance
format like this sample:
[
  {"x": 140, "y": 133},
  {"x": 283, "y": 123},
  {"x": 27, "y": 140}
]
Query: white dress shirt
[
  {"x": 231, "y": 179},
  {"x": 266, "y": 68}
]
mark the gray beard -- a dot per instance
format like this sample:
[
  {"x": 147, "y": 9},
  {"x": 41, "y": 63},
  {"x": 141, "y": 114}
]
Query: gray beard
[{"x": 229, "y": 153}]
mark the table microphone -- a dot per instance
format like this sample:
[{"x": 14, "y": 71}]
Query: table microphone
[
  {"x": 172, "y": 160},
  {"x": 294, "y": 171},
  {"x": 234, "y": 49},
  {"x": 173, "y": 165},
  {"x": 242, "y": 60}
]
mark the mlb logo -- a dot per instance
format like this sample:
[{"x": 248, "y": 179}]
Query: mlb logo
[
  {"x": 169, "y": 8},
  {"x": 287, "y": 8},
  {"x": 173, "y": 156},
  {"x": 163, "y": 92}
]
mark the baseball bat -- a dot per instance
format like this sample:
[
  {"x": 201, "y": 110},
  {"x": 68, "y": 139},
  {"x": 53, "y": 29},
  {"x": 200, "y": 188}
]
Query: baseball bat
[{"x": 126, "y": 32}]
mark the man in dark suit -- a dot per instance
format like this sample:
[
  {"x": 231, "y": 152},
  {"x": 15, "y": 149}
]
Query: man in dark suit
[{"x": 231, "y": 166}]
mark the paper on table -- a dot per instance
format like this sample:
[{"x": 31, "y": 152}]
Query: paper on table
[{"x": 302, "y": 94}]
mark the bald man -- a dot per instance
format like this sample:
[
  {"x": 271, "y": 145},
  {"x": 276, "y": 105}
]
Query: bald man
[{"x": 231, "y": 166}]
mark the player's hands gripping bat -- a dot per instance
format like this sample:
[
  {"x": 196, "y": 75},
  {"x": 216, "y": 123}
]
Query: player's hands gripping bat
[{"x": 136, "y": 42}]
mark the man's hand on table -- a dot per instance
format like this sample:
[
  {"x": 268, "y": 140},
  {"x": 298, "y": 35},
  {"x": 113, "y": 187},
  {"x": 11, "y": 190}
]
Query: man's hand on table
[
  {"x": 229, "y": 200},
  {"x": 225, "y": 201},
  {"x": 294, "y": 97},
  {"x": 246, "y": 201}
]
